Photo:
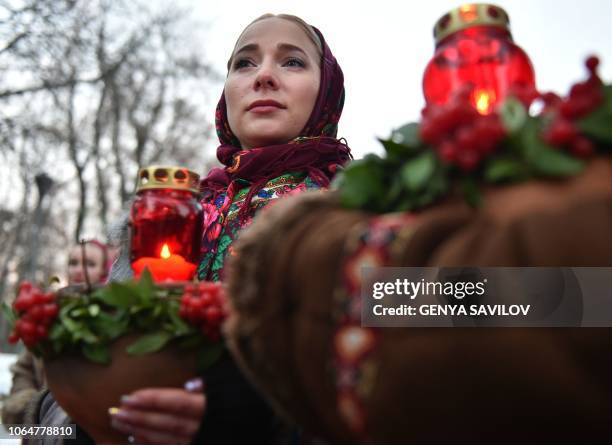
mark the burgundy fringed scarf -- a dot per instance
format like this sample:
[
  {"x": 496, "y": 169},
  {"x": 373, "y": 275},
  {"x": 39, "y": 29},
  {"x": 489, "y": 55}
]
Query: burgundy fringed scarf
[{"x": 316, "y": 151}]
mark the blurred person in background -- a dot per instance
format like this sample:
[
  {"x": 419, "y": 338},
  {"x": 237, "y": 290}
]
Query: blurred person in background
[{"x": 89, "y": 261}]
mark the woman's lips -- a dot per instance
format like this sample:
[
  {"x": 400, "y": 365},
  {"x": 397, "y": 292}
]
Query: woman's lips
[
  {"x": 265, "y": 106},
  {"x": 263, "y": 109}
]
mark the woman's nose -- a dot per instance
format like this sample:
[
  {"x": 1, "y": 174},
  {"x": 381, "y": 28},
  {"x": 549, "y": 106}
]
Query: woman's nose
[{"x": 266, "y": 78}]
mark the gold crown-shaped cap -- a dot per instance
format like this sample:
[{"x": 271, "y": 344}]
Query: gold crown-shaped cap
[
  {"x": 167, "y": 177},
  {"x": 468, "y": 15}
]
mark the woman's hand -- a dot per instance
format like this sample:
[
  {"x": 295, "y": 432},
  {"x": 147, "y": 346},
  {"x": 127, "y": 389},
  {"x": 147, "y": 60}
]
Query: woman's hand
[{"x": 161, "y": 416}]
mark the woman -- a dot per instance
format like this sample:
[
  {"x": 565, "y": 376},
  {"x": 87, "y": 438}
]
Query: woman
[
  {"x": 90, "y": 262},
  {"x": 277, "y": 122}
]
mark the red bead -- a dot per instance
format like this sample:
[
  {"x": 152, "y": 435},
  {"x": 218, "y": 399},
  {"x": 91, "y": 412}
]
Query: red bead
[
  {"x": 192, "y": 314},
  {"x": 51, "y": 310},
  {"x": 184, "y": 312},
  {"x": 579, "y": 89},
  {"x": 208, "y": 298},
  {"x": 214, "y": 314},
  {"x": 208, "y": 286},
  {"x": 25, "y": 286},
  {"x": 26, "y": 328},
  {"x": 47, "y": 298},
  {"x": 448, "y": 151},
  {"x": 13, "y": 338},
  {"x": 582, "y": 147},
  {"x": 23, "y": 302},
  {"x": 196, "y": 303},
  {"x": 560, "y": 132},
  {"x": 467, "y": 160},
  {"x": 466, "y": 138},
  {"x": 429, "y": 132},
  {"x": 41, "y": 331},
  {"x": 592, "y": 63},
  {"x": 29, "y": 340},
  {"x": 37, "y": 313}
]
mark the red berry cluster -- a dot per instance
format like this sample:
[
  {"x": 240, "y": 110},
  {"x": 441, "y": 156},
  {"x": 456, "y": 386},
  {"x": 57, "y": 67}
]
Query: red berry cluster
[
  {"x": 202, "y": 306},
  {"x": 583, "y": 98},
  {"x": 36, "y": 310},
  {"x": 460, "y": 135}
]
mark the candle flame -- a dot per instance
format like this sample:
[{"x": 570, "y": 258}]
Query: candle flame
[
  {"x": 483, "y": 101},
  {"x": 165, "y": 252}
]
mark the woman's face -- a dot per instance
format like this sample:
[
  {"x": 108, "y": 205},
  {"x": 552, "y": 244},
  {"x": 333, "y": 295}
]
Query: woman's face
[
  {"x": 272, "y": 84},
  {"x": 94, "y": 261}
]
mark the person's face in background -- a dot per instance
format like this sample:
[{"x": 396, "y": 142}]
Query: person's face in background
[
  {"x": 94, "y": 262},
  {"x": 272, "y": 83}
]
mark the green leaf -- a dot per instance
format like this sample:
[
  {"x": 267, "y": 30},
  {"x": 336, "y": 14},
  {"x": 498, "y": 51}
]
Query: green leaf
[
  {"x": 394, "y": 193},
  {"x": 112, "y": 326},
  {"x": 527, "y": 143},
  {"x": 8, "y": 313},
  {"x": 57, "y": 332},
  {"x": 513, "y": 115},
  {"x": 149, "y": 343},
  {"x": 71, "y": 326},
  {"x": 471, "y": 192},
  {"x": 145, "y": 287},
  {"x": 78, "y": 312},
  {"x": 395, "y": 150},
  {"x": 157, "y": 310},
  {"x": 543, "y": 159},
  {"x": 437, "y": 185},
  {"x": 598, "y": 124},
  {"x": 418, "y": 171},
  {"x": 65, "y": 310},
  {"x": 179, "y": 326},
  {"x": 362, "y": 183},
  {"x": 407, "y": 135},
  {"x": 191, "y": 341},
  {"x": 555, "y": 163},
  {"x": 85, "y": 334},
  {"x": 208, "y": 355},
  {"x": 505, "y": 169},
  {"x": 122, "y": 295},
  {"x": 97, "y": 353}
]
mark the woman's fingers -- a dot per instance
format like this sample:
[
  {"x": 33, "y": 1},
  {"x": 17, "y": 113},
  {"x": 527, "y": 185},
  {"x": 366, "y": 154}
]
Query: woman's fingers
[
  {"x": 166, "y": 400},
  {"x": 154, "y": 425},
  {"x": 161, "y": 415}
]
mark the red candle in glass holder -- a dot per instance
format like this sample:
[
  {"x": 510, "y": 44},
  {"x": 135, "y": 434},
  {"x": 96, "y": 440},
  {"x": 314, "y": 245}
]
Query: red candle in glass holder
[
  {"x": 166, "y": 224},
  {"x": 474, "y": 47}
]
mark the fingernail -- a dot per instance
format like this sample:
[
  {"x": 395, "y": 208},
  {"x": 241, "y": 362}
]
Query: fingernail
[
  {"x": 194, "y": 385},
  {"x": 117, "y": 413},
  {"x": 128, "y": 400}
]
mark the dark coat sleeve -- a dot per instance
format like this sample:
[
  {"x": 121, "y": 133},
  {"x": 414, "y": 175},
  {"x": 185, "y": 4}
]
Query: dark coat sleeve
[{"x": 236, "y": 412}]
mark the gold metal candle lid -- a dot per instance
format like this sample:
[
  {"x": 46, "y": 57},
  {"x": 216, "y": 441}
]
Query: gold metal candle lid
[
  {"x": 167, "y": 177},
  {"x": 468, "y": 15}
]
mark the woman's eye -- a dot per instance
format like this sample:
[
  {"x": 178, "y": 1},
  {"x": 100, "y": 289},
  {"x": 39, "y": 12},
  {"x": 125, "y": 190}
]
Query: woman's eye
[
  {"x": 73, "y": 263},
  {"x": 242, "y": 63},
  {"x": 295, "y": 62}
]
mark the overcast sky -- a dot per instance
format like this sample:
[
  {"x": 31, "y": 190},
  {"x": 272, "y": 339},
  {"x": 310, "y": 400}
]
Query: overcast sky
[{"x": 384, "y": 45}]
